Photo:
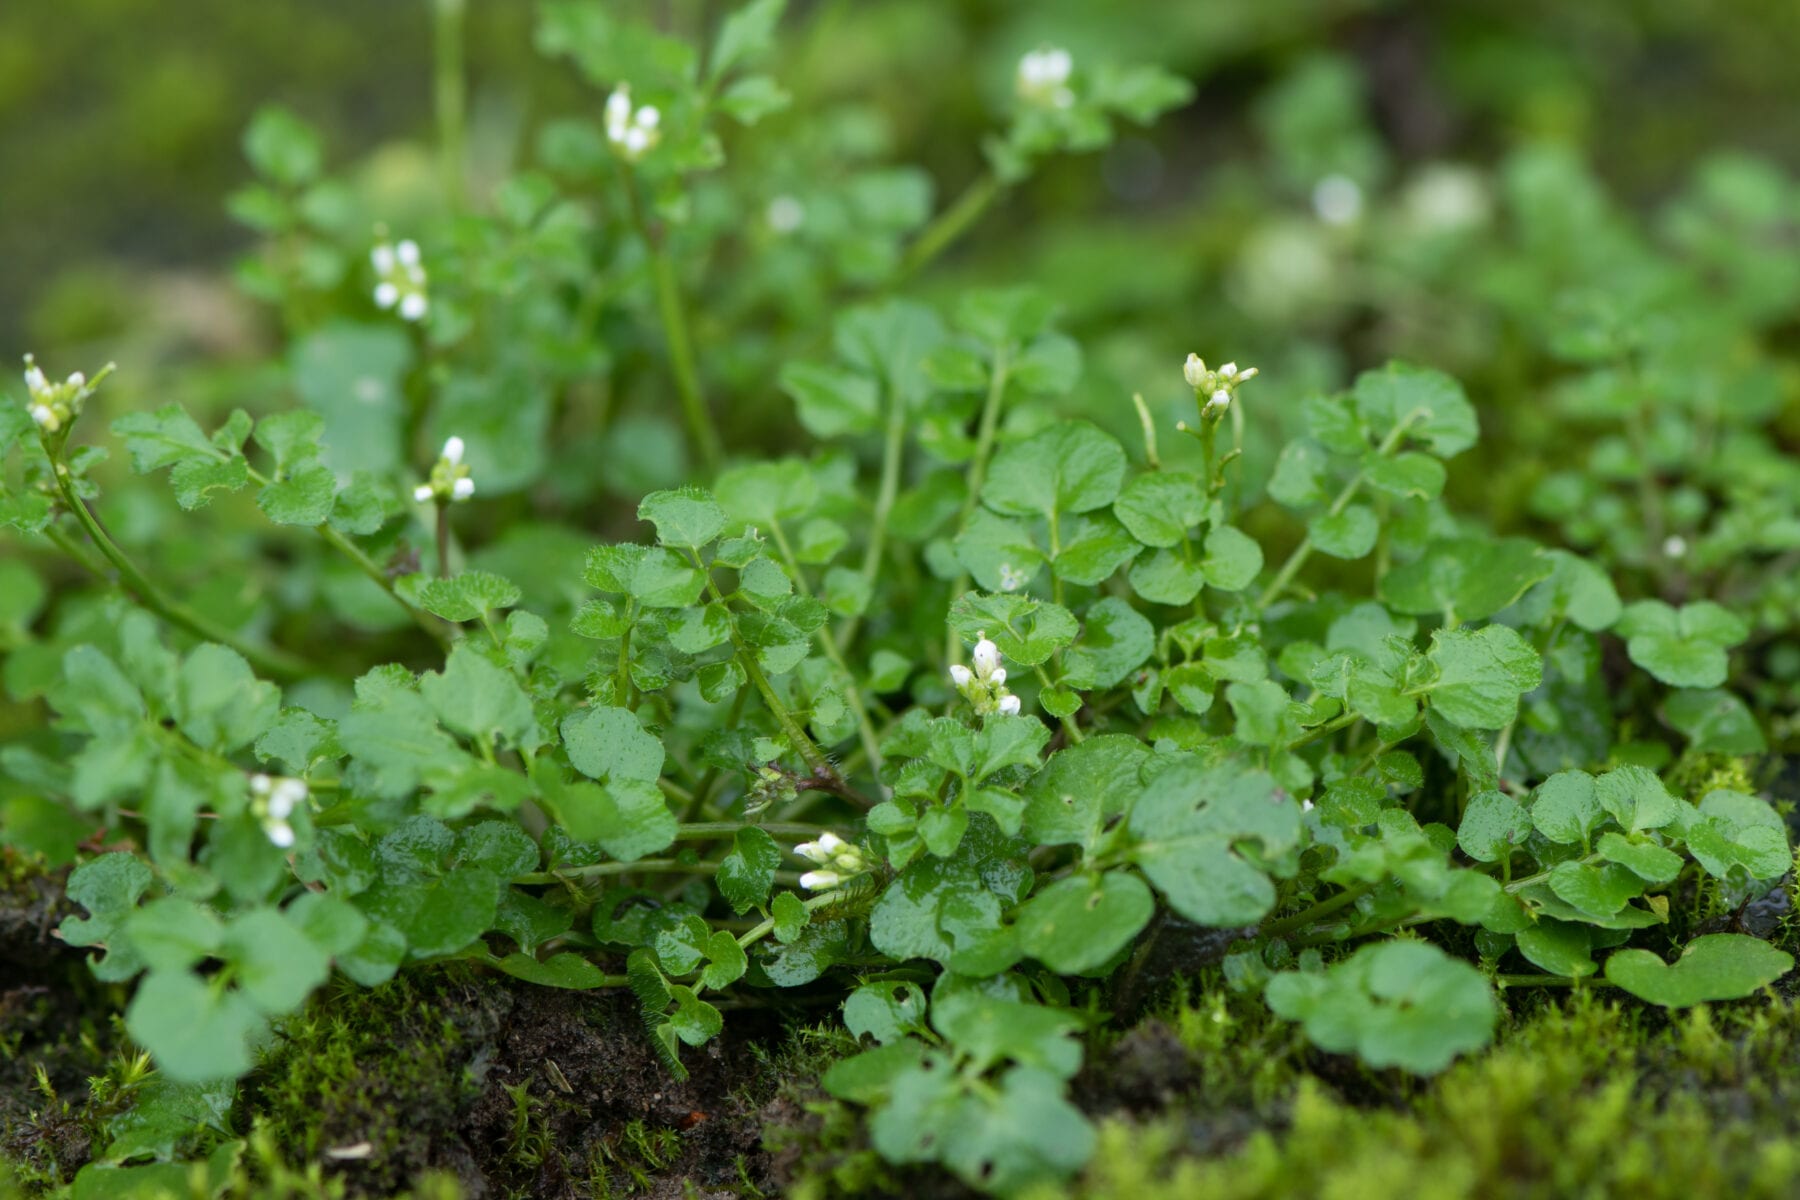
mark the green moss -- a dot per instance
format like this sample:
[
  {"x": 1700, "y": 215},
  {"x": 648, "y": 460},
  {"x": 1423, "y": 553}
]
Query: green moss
[
  {"x": 384, "y": 1068},
  {"x": 1584, "y": 1097}
]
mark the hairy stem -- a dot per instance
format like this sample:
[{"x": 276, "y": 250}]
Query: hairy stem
[
  {"x": 449, "y": 97},
  {"x": 1317, "y": 912},
  {"x": 1304, "y": 550},
  {"x": 893, "y": 456},
  {"x": 269, "y": 661},
  {"x": 985, "y": 431},
  {"x": 701, "y": 430},
  {"x": 951, "y": 224},
  {"x": 865, "y": 727}
]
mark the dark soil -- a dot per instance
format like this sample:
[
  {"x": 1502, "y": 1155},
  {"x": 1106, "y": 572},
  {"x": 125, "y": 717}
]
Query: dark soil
[{"x": 53, "y": 1017}]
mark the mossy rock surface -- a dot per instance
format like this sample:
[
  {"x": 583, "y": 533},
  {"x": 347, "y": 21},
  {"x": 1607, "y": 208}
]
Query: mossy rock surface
[{"x": 456, "y": 1082}]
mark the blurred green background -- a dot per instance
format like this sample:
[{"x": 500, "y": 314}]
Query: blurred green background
[{"x": 120, "y": 119}]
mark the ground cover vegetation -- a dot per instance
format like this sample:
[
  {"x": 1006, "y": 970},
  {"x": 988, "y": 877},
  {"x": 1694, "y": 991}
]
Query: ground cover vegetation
[{"x": 676, "y": 675}]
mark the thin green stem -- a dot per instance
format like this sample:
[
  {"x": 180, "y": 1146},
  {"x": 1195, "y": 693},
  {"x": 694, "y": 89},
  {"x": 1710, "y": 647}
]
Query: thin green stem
[
  {"x": 1068, "y": 722},
  {"x": 951, "y": 224},
  {"x": 449, "y": 97},
  {"x": 701, "y": 430},
  {"x": 1567, "y": 981},
  {"x": 700, "y": 831},
  {"x": 1519, "y": 885},
  {"x": 647, "y": 866},
  {"x": 985, "y": 431},
  {"x": 892, "y": 458},
  {"x": 765, "y": 928},
  {"x": 440, "y": 632},
  {"x": 797, "y": 737},
  {"x": 1317, "y": 912},
  {"x": 1304, "y": 550},
  {"x": 1330, "y": 727},
  {"x": 269, "y": 661},
  {"x": 865, "y": 727}
]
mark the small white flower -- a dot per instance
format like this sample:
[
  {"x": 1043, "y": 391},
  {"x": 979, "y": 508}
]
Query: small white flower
[
  {"x": 1009, "y": 706},
  {"x": 260, "y": 785},
  {"x": 1219, "y": 401},
  {"x": 811, "y": 851},
  {"x": 633, "y": 132},
  {"x": 35, "y": 382},
  {"x": 45, "y": 418},
  {"x": 961, "y": 676},
  {"x": 819, "y": 881},
  {"x": 77, "y": 380},
  {"x": 285, "y": 797},
  {"x": 449, "y": 476},
  {"x": 1043, "y": 77},
  {"x": 1338, "y": 200},
  {"x": 1675, "y": 546},
  {"x": 280, "y": 833},
  {"x": 618, "y": 113},
  {"x": 400, "y": 279},
  {"x": 998, "y": 678},
  {"x": 831, "y": 843},
  {"x": 785, "y": 214},
  {"x": 1306, "y": 806}
]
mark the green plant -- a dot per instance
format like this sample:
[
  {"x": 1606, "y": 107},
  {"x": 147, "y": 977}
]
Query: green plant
[{"x": 1394, "y": 760}]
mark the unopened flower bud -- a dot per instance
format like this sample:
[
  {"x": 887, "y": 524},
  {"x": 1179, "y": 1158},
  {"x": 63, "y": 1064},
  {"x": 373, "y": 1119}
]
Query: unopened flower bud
[
  {"x": 1194, "y": 371},
  {"x": 961, "y": 676},
  {"x": 986, "y": 656},
  {"x": 1009, "y": 706},
  {"x": 819, "y": 881}
]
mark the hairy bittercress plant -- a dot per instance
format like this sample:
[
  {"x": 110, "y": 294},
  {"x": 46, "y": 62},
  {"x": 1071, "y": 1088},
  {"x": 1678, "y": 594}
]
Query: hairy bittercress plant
[{"x": 953, "y": 710}]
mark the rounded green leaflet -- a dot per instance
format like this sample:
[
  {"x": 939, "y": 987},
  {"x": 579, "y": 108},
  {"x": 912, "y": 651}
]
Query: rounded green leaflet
[
  {"x": 565, "y": 970},
  {"x": 608, "y": 743},
  {"x": 197, "y": 1030},
  {"x": 1716, "y": 966},
  {"x": 1071, "y": 467},
  {"x": 686, "y": 517},
  {"x": 1348, "y": 534},
  {"x": 1400, "y": 1004},
  {"x": 1492, "y": 824},
  {"x": 1559, "y": 947},
  {"x": 1232, "y": 559},
  {"x": 1159, "y": 507},
  {"x": 1077, "y": 924}
]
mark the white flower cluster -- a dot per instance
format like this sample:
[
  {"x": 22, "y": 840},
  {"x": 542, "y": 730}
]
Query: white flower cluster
[
  {"x": 633, "y": 132},
  {"x": 1219, "y": 387},
  {"x": 985, "y": 686},
  {"x": 837, "y": 859},
  {"x": 1043, "y": 77},
  {"x": 274, "y": 801},
  {"x": 54, "y": 405},
  {"x": 400, "y": 279},
  {"x": 449, "y": 477}
]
